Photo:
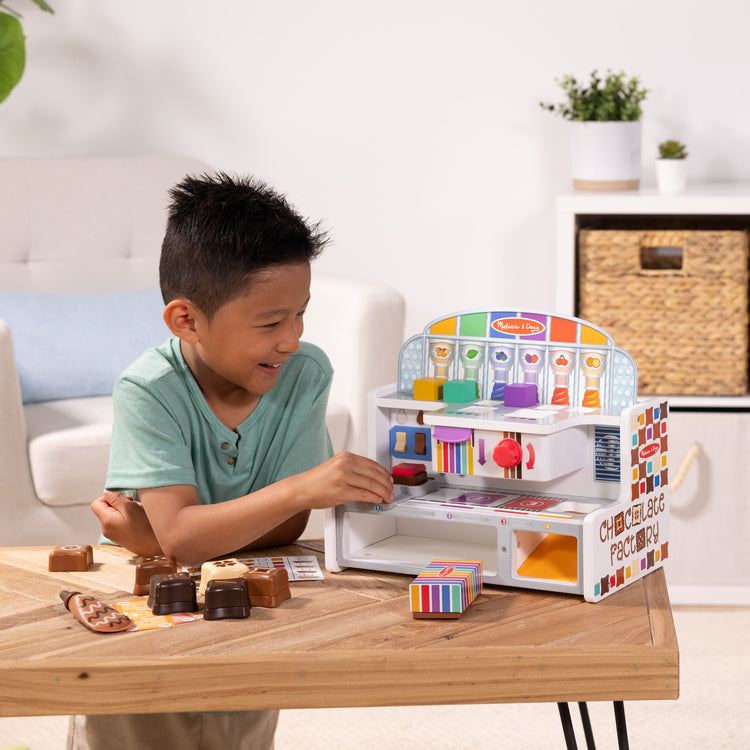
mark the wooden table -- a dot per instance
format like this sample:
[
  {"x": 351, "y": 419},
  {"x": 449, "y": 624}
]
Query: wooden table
[{"x": 347, "y": 641}]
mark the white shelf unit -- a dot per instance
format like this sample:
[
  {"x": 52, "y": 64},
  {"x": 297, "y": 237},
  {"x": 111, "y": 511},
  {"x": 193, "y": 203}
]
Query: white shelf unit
[{"x": 710, "y": 516}]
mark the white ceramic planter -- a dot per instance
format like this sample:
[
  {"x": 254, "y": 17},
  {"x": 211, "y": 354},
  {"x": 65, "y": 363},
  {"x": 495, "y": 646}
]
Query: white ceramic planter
[
  {"x": 606, "y": 155},
  {"x": 671, "y": 175}
]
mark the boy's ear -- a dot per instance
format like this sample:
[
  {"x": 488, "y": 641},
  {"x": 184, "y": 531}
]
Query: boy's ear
[{"x": 180, "y": 315}]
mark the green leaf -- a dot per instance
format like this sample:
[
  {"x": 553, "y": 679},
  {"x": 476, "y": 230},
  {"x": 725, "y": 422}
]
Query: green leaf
[
  {"x": 12, "y": 54},
  {"x": 43, "y": 5}
]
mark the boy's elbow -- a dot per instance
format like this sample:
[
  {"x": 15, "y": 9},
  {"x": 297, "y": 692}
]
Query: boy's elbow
[
  {"x": 285, "y": 533},
  {"x": 183, "y": 550},
  {"x": 291, "y": 530},
  {"x": 183, "y": 557}
]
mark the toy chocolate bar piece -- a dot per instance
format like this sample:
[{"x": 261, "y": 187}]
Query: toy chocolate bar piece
[
  {"x": 218, "y": 569},
  {"x": 145, "y": 567},
  {"x": 71, "y": 557},
  {"x": 445, "y": 588},
  {"x": 267, "y": 587},
  {"x": 226, "y": 598},
  {"x": 409, "y": 474},
  {"x": 172, "y": 592},
  {"x": 95, "y": 615}
]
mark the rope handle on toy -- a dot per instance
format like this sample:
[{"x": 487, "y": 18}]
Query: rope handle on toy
[{"x": 692, "y": 453}]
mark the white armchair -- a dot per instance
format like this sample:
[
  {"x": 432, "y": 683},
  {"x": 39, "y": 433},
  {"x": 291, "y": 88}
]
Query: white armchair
[{"x": 85, "y": 233}]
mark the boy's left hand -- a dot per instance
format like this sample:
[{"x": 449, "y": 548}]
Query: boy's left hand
[{"x": 124, "y": 522}]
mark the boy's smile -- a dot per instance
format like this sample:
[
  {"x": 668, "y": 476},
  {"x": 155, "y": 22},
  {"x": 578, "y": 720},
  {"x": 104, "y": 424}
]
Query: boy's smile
[{"x": 237, "y": 355}]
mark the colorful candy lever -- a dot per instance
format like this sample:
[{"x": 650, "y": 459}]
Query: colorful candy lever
[
  {"x": 561, "y": 362},
  {"x": 531, "y": 362},
  {"x": 441, "y": 355},
  {"x": 501, "y": 358},
  {"x": 471, "y": 356},
  {"x": 592, "y": 364}
]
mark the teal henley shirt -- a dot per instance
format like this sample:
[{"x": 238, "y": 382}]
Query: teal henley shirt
[{"x": 165, "y": 433}]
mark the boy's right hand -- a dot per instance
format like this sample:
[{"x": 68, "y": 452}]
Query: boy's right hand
[
  {"x": 124, "y": 522},
  {"x": 345, "y": 477}
]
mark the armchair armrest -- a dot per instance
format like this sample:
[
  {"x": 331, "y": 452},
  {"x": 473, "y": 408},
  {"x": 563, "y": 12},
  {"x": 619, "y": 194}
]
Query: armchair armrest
[
  {"x": 359, "y": 325},
  {"x": 15, "y": 478}
]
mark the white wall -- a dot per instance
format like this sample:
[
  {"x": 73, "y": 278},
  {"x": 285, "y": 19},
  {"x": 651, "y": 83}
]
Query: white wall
[{"x": 411, "y": 127}]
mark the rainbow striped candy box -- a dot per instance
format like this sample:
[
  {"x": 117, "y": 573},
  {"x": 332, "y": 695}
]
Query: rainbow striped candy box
[{"x": 445, "y": 588}]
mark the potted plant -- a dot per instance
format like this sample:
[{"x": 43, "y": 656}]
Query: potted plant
[
  {"x": 671, "y": 167},
  {"x": 606, "y": 129},
  {"x": 13, "y": 47}
]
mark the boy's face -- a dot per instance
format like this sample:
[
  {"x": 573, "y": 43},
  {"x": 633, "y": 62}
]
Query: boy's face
[{"x": 242, "y": 349}]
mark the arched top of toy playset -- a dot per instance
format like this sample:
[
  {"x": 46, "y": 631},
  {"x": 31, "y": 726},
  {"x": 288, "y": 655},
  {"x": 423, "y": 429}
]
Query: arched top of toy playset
[
  {"x": 519, "y": 325},
  {"x": 570, "y": 361}
]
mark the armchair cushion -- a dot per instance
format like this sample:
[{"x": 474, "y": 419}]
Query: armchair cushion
[
  {"x": 69, "y": 448},
  {"x": 46, "y": 328}
]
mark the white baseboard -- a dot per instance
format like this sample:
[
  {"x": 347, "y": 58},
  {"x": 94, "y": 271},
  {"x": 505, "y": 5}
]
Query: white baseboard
[{"x": 709, "y": 596}]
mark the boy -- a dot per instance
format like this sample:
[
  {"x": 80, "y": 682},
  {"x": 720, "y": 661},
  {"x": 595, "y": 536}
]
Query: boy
[{"x": 221, "y": 430}]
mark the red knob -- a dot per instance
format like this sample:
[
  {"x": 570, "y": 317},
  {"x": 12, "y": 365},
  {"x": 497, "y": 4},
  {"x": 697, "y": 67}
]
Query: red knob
[{"x": 507, "y": 453}]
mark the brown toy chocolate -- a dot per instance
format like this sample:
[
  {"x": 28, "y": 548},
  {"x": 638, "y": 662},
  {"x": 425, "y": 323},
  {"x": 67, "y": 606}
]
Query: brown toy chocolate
[
  {"x": 95, "y": 615},
  {"x": 69, "y": 557},
  {"x": 226, "y": 598},
  {"x": 409, "y": 474},
  {"x": 267, "y": 587},
  {"x": 172, "y": 592},
  {"x": 230, "y": 567},
  {"x": 145, "y": 567}
]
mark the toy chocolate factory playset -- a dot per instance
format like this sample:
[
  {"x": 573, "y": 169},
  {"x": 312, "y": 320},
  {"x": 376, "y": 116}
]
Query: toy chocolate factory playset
[{"x": 516, "y": 440}]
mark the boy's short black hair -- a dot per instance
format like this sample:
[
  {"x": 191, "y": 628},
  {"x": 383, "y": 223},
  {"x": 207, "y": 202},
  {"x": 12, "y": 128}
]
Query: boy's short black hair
[{"x": 221, "y": 230}]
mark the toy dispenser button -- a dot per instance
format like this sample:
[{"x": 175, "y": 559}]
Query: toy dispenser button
[{"x": 507, "y": 453}]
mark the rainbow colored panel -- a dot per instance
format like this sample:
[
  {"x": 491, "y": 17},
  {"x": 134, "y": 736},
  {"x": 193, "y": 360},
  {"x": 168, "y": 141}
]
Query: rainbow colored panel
[
  {"x": 446, "y": 587},
  {"x": 455, "y": 458}
]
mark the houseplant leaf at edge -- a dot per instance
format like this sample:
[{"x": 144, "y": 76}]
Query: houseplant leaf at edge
[
  {"x": 12, "y": 54},
  {"x": 13, "y": 47}
]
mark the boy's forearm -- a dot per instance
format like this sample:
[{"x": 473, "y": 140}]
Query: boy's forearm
[{"x": 194, "y": 533}]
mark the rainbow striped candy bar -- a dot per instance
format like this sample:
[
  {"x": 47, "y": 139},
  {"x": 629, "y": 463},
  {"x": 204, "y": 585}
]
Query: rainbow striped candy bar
[{"x": 445, "y": 588}]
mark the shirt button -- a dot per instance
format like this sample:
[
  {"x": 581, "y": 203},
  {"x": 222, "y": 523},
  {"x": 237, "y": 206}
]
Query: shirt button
[
  {"x": 230, "y": 461},
  {"x": 225, "y": 446}
]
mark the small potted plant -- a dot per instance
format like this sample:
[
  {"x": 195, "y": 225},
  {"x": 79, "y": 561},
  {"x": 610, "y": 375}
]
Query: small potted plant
[
  {"x": 671, "y": 167},
  {"x": 606, "y": 129},
  {"x": 13, "y": 47}
]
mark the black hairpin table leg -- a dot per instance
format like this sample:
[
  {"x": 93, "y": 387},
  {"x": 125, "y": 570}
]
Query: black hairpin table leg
[
  {"x": 622, "y": 727},
  {"x": 569, "y": 732},
  {"x": 586, "y": 721},
  {"x": 567, "y": 725}
]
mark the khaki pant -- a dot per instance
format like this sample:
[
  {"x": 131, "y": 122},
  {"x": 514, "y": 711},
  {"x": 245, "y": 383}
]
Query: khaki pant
[{"x": 239, "y": 730}]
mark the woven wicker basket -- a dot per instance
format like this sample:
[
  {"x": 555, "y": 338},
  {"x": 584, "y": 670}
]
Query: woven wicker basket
[{"x": 677, "y": 300}]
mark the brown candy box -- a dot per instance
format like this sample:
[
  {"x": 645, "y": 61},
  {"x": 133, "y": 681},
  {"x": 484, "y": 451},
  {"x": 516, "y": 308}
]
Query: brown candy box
[
  {"x": 172, "y": 592},
  {"x": 145, "y": 567},
  {"x": 71, "y": 557},
  {"x": 226, "y": 598},
  {"x": 267, "y": 587}
]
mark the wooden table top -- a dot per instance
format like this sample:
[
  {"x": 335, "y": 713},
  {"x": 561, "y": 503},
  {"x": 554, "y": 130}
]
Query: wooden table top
[{"x": 349, "y": 640}]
